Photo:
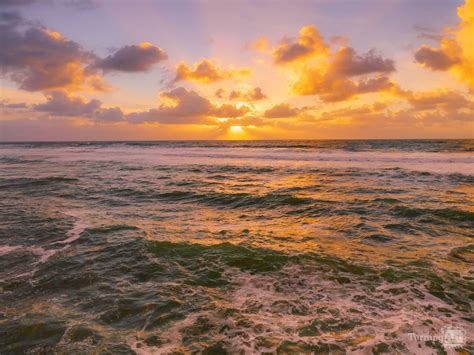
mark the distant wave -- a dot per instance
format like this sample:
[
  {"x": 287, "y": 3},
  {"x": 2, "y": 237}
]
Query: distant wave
[{"x": 429, "y": 145}]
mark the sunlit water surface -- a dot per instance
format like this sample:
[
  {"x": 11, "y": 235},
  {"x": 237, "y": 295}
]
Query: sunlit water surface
[{"x": 238, "y": 247}]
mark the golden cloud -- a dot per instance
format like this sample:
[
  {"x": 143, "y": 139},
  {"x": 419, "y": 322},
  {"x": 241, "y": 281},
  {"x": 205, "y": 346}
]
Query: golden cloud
[
  {"x": 229, "y": 110},
  {"x": 308, "y": 44},
  {"x": 254, "y": 94},
  {"x": 363, "y": 111},
  {"x": 207, "y": 72},
  {"x": 282, "y": 110},
  {"x": 334, "y": 88},
  {"x": 425, "y": 108},
  {"x": 456, "y": 49},
  {"x": 182, "y": 106},
  {"x": 333, "y": 75},
  {"x": 439, "y": 100}
]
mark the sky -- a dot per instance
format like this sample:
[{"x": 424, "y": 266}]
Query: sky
[{"x": 228, "y": 69}]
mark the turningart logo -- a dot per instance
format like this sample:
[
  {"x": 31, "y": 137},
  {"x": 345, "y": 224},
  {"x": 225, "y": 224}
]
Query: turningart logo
[
  {"x": 453, "y": 336},
  {"x": 450, "y": 336}
]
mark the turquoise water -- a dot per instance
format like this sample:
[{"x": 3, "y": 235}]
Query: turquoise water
[{"x": 235, "y": 247}]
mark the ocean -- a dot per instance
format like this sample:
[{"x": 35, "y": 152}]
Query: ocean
[{"x": 238, "y": 247}]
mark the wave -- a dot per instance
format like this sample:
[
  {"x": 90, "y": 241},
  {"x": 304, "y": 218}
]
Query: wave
[
  {"x": 452, "y": 214},
  {"x": 230, "y": 200},
  {"x": 413, "y": 145},
  {"x": 11, "y": 160},
  {"x": 27, "y": 182}
]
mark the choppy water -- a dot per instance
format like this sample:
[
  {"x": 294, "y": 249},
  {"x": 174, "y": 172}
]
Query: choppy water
[{"x": 239, "y": 247}]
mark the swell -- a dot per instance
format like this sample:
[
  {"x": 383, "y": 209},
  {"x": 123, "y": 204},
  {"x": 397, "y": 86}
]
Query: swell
[
  {"x": 32, "y": 182},
  {"x": 299, "y": 205},
  {"x": 213, "y": 198}
]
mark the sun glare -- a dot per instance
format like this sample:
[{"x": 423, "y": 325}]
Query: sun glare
[{"x": 236, "y": 129}]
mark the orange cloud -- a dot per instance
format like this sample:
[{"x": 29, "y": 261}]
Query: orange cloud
[
  {"x": 426, "y": 109},
  {"x": 353, "y": 113},
  {"x": 333, "y": 88},
  {"x": 456, "y": 51},
  {"x": 440, "y": 100},
  {"x": 207, "y": 72},
  {"x": 228, "y": 110},
  {"x": 182, "y": 106},
  {"x": 282, "y": 110},
  {"x": 308, "y": 44},
  {"x": 254, "y": 94},
  {"x": 332, "y": 75},
  {"x": 333, "y": 82}
]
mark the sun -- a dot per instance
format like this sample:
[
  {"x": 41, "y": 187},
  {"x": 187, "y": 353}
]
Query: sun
[
  {"x": 236, "y": 129},
  {"x": 235, "y": 132}
]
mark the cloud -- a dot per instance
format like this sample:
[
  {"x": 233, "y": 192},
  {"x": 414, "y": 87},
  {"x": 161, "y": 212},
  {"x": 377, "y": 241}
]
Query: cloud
[
  {"x": 207, "y": 72},
  {"x": 347, "y": 63},
  {"x": 156, "y": 115},
  {"x": 420, "y": 110},
  {"x": 380, "y": 83},
  {"x": 109, "y": 114},
  {"x": 335, "y": 80},
  {"x": 439, "y": 106},
  {"x": 282, "y": 110},
  {"x": 308, "y": 44},
  {"x": 426, "y": 109},
  {"x": 178, "y": 106},
  {"x": 133, "y": 58},
  {"x": 15, "y": 105},
  {"x": 229, "y": 110},
  {"x": 361, "y": 112},
  {"x": 435, "y": 59},
  {"x": 38, "y": 59},
  {"x": 182, "y": 106},
  {"x": 60, "y": 103},
  {"x": 254, "y": 94},
  {"x": 331, "y": 88},
  {"x": 439, "y": 100},
  {"x": 333, "y": 74},
  {"x": 456, "y": 51}
]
